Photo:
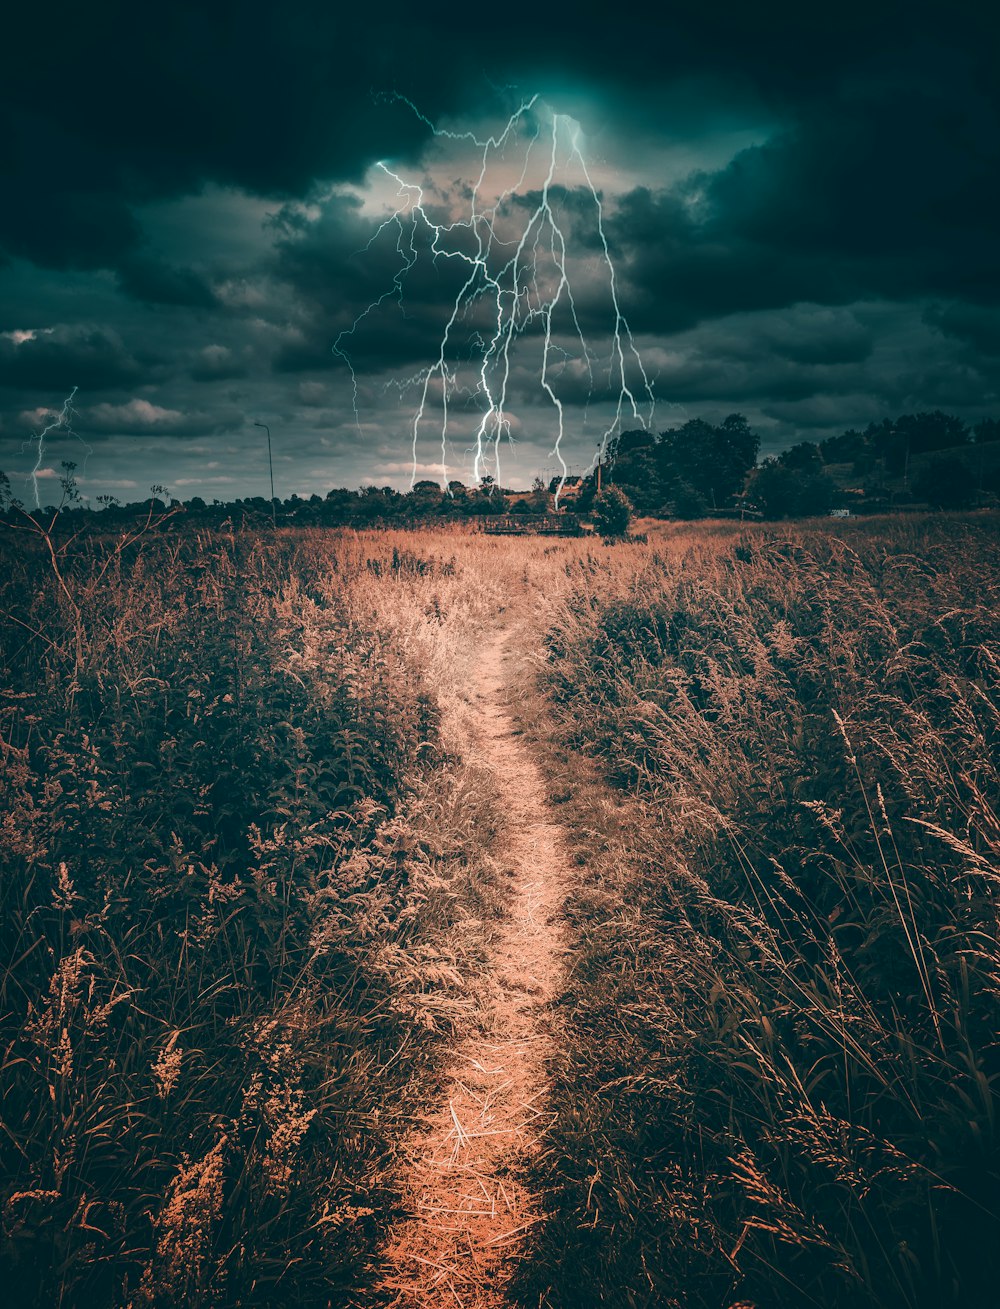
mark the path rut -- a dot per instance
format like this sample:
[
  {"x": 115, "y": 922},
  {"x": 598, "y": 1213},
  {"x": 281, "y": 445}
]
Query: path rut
[{"x": 467, "y": 1204}]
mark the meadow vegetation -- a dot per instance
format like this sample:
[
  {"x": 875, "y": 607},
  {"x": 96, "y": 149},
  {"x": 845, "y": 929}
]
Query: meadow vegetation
[
  {"x": 245, "y": 869},
  {"x": 778, "y": 1082},
  {"x": 250, "y": 868}
]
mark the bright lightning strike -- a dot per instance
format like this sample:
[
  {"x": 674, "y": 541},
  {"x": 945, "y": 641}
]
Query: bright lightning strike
[
  {"x": 63, "y": 422},
  {"x": 514, "y": 255}
]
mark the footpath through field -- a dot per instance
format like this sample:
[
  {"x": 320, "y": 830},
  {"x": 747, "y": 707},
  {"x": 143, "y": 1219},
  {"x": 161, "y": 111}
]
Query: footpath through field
[{"x": 468, "y": 1206}]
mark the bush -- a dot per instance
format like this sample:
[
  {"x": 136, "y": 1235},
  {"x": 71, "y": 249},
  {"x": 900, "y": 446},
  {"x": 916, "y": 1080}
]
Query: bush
[
  {"x": 612, "y": 513},
  {"x": 686, "y": 503}
]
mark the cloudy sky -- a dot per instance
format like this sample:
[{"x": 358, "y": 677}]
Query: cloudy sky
[{"x": 801, "y": 205}]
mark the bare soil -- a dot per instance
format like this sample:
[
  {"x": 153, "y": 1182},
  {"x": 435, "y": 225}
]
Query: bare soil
[{"x": 468, "y": 1205}]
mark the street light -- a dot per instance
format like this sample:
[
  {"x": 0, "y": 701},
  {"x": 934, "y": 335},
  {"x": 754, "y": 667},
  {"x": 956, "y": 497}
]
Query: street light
[{"x": 270, "y": 469}]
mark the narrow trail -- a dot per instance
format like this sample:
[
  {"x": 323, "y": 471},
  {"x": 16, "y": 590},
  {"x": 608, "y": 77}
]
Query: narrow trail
[{"x": 468, "y": 1209}]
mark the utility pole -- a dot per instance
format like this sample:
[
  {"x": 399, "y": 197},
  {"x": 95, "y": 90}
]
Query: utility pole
[{"x": 270, "y": 469}]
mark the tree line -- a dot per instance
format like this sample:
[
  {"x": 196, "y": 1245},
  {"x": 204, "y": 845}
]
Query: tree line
[
  {"x": 340, "y": 507},
  {"x": 696, "y": 470}
]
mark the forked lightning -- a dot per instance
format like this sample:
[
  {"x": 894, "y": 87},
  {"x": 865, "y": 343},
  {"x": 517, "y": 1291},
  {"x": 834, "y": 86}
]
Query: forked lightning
[{"x": 522, "y": 274}]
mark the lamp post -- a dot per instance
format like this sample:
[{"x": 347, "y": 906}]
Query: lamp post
[{"x": 270, "y": 469}]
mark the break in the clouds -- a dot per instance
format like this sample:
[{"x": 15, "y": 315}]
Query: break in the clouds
[{"x": 800, "y": 203}]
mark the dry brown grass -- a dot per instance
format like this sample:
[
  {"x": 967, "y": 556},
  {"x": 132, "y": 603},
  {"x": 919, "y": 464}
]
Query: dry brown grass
[
  {"x": 247, "y": 881},
  {"x": 253, "y": 874},
  {"x": 780, "y": 1063}
]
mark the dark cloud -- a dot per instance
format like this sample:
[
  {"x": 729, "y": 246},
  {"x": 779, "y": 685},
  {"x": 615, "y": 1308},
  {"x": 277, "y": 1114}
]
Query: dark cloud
[
  {"x": 111, "y": 105},
  {"x": 974, "y": 325},
  {"x": 801, "y": 202},
  {"x": 86, "y": 357},
  {"x": 217, "y": 363},
  {"x": 886, "y": 188},
  {"x": 335, "y": 263},
  {"x": 140, "y": 417},
  {"x": 56, "y": 224},
  {"x": 806, "y": 334},
  {"x": 152, "y": 280}
]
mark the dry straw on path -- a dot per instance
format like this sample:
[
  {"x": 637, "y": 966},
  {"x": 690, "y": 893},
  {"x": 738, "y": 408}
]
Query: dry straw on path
[{"x": 468, "y": 1208}]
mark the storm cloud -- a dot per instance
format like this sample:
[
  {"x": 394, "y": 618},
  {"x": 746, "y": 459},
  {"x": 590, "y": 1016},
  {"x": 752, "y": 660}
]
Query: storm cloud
[{"x": 800, "y": 202}]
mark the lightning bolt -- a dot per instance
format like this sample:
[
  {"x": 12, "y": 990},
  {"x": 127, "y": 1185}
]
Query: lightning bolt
[
  {"x": 63, "y": 422},
  {"x": 522, "y": 276}
]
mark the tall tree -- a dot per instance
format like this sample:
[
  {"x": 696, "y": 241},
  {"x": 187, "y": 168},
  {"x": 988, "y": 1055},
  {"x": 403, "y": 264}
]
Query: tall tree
[{"x": 714, "y": 461}]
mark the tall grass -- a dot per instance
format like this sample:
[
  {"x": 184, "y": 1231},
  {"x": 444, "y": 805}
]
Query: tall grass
[
  {"x": 249, "y": 864},
  {"x": 241, "y": 873},
  {"x": 780, "y": 1074}
]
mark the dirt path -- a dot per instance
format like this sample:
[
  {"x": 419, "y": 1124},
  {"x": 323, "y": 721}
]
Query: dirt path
[{"x": 468, "y": 1207}]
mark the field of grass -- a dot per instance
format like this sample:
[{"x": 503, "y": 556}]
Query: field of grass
[
  {"x": 778, "y": 1082},
  {"x": 252, "y": 864},
  {"x": 236, "y": 845}
]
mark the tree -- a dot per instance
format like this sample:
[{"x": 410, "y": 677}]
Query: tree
[
  {"x": 714, "y": 461},
  {"x": 910, "y": 434},
  {"x": 946, "y": 483},
  {"x": 846, "y": 448},
  {"x": 686, "y": 503},
  {"x": 773, "y": 487},
  {"x": 931, "y": 431},
  {"x": 685, "y": 465},
  {"x": 742, "y": 441},
  {"x": 816, "y": 494},
  {"x": 882, "y": 439},
  {"x": 342, "y": 506},
  {"x": 782, "y": 492},
  {"x": 488, "y": 498},
  {"x": 626, "y": 443},
  {"x": 987, "y": 430},
  {"x": 804, "y": 457},
  {"x": 584, "y": 501},
  {"x": 424, "y": 499},
  {"x": 374, "y": 503},
  {"x": 612, "y": 513},
  {"x": 639, "y": 473}
]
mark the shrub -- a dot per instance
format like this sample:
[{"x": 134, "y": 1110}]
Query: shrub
[{"x": 612, "y": 513}]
